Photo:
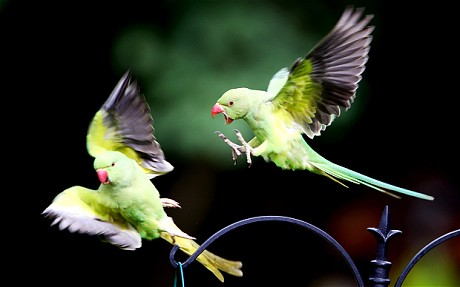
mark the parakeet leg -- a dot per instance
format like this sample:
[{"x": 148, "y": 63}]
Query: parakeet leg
[
  {"x": 167, "y": 202},
  {"x": 237, "y": 150},
  {"x": 167, "y": 225},
  {"x": 246, "y": 148}
]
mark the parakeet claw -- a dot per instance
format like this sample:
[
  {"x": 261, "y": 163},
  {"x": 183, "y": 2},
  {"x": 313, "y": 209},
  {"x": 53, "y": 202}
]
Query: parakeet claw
[
  {"x": 246, "y": 148},
  {"x": 167, "y": 202},
  {"x": 237, "y": 150}
]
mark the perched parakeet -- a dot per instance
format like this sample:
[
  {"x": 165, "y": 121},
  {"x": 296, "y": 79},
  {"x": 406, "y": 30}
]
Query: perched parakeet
[
  {"x": 126, "y": 207},
  {"x": 305, "y": 99}
]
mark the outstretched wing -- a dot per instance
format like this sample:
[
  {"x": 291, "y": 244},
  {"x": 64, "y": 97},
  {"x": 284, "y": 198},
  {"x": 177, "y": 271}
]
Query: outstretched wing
[
  {"x": 77, "y": 209},
  {"x": 317, "y": 86},
  {"x": 124, "y": 124}
]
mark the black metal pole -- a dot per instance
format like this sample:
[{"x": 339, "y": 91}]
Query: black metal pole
[{"x": 380, "y": 265}]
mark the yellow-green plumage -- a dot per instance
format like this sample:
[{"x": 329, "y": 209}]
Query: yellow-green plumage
[
  {"x": 305, "y": 100},
  {"x": 124, "y": 124},
  {"x": 127, "y": 207}
]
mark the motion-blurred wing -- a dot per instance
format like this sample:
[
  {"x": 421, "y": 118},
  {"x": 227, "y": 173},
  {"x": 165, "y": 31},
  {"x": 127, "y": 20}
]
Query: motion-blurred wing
[
  {"x": 77, "y": 209},
  {"x": 124, "y": 123},
  {"x": 327, "y": 78}
]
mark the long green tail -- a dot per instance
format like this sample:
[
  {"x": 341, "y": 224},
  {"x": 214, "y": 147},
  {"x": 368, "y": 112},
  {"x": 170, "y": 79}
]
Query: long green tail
[
  {"x": 212, "y": 262},
  {"x": 335, "y": 171}
]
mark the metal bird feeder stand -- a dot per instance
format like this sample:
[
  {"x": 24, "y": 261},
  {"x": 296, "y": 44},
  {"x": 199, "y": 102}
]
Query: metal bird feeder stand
[{"x": 380, "y": 270}]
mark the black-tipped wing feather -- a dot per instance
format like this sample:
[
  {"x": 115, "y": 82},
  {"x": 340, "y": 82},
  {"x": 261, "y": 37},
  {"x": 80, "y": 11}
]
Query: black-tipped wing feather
[
  {"x": 124, "y": 123},
  {"x": 326, "y": 79}
]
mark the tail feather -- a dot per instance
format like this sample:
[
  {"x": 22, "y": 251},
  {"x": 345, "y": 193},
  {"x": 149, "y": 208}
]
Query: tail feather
[
  {"x": 339, "y": 172},
  {"x": 212, "y": 262}
]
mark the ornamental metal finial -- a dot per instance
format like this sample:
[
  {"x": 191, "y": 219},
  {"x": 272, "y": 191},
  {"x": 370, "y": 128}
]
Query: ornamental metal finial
[{"x": 381, "y": 267}]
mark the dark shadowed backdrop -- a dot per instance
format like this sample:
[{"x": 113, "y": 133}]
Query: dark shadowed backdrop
[{"x": 60, "y": 60}]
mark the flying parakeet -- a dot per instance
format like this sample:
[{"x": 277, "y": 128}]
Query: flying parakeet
[
  {"x": 127, "y": 207},
  {"x": 305, "y": 99}
]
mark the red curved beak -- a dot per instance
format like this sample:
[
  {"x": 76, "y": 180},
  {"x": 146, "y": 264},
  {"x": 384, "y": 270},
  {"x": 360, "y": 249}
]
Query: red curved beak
[
  {"x": 103, "y": 176},
  {"x": 216, "y": 109}
]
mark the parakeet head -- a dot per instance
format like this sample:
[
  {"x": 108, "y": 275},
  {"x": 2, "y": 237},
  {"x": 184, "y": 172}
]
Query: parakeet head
[
  {"x": 234, "y": 104},
  {"x": 112, "y": 167}
]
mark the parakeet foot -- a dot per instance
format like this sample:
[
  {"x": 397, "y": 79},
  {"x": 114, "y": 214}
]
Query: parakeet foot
[
  {"x": 246, "y": 148},
  {"x": 237, "y": 150},
  {"x": 167, "y": 202}
]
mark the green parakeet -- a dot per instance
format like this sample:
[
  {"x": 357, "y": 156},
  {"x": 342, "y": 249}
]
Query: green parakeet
[
  {"x": 126, "y": 207},
  {"x": 305, "y": 99}
]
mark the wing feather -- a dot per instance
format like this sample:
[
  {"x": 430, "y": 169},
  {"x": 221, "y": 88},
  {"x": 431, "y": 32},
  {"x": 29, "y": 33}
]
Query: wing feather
[
  {"x": 326, "y": 79},
  {"x": 124, "y": 123},
  {"x": 77, "y": 210}
]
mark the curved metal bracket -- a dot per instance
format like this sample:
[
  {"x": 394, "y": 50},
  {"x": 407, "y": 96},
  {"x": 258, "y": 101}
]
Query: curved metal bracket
[
  {"x": 424, "y": 251},
  {"x": 381, "y": 267},
  {"x": 243, "y": 222}
]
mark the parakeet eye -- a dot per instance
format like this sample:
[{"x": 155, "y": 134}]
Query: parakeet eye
[
  {"x": 230, "y": 103},
  {"x": 113, "y": 163}
]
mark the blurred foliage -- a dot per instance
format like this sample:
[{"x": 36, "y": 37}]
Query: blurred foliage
[
  {"x": 436, "y": 268},
  {"x": 2, "y": 4},
  {"x": 213, "y": 47}
]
